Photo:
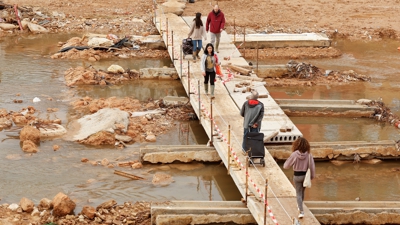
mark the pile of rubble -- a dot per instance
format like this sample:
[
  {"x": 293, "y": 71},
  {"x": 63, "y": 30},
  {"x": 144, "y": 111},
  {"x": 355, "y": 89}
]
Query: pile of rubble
[
  {"x": 138, "y": 122},
  {"x": 308, "y": 71},
  {"x": 89, "y": 75},
  {"x": 60, "y": 210}
]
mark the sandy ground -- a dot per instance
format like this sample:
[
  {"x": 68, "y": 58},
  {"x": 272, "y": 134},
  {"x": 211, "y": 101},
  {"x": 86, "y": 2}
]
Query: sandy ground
[{"x": 369, "y": 20}]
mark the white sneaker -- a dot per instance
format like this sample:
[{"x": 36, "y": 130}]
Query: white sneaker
[{"x": 301, "y": 215}]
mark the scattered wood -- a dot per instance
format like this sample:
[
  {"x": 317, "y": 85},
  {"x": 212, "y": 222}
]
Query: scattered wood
[
  {"x": 128, "y": 175},
  {"x": 126, "y": 164},
  {"x": 239, "y": 69},
  {"x": 249, "y": 78}
]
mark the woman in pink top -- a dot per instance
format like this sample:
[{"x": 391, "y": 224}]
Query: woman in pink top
[{"x": 300, "y": 159}]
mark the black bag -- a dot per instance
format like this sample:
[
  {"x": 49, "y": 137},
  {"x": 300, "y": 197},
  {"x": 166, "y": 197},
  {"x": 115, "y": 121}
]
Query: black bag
[
  {"x": 255, "y": 143},
  {"x": 187, "y": 46}
]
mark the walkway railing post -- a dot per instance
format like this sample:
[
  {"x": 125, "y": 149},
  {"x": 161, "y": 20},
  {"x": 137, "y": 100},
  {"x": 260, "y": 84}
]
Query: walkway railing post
[
  {"x": 257, "y": 56},
  {"x": 265, "y": 202},
  {"x": 229, "y": 148},
  {"x": 167, "y": 35},
  {"x": 181, "y": 59},
  {"x": 198, "y": 93},
  {"x": 188, "y": 82},
  {"x": 247, "y": 177},
  {"x": 172, "y": 44},
  {"x": 234, "y": 32},
  {"x": 188, "y": 68},
  {"x": 244, "y": 43},
  {"x": 211, "y": 123},
  {"x": 161, "y": 27}
]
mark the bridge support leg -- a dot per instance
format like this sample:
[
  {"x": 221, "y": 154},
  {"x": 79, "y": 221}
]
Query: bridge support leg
[
  {"x": 229, "y": 150},
  {"x": 198, "y": 93},
  {"x": 211, "y": 123},
  {"x": 247, "y": 177}
]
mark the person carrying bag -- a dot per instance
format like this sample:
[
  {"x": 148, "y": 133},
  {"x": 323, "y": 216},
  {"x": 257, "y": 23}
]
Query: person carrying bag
[{"x": 301, "y": 160}]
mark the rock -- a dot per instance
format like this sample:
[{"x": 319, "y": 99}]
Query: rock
[
  {"x": 13, "y": 207},
  {"x": 115, "y": 69},
  {"x": 99, "y": 41},
  {"x": 100, "y": 138},
  {"x": 62, "y": 205},
  {"x": 105, "y": 162},
  {"x": 4, "y": 123},
  {"x": 30, "y": 133},
  {"x": 162, "y": 179},
  {"x": 84, "y": 159},
  {"x": 363, "y": 101},
  {"x": 35, "y": 212},
  {"x": 45, "y": 203},
  {"x": 104, "y": 119},
  {"x": 56, "y": 147},
  {"x": 107, "y": 204},
  {"x": 158, "y": 73},
  {"x": 26, "y": 205},
  {"x": 88, "y": 211},
  {"x": 137, "y": 165},
  {"x": 123, "y": 138},
  {"x": 52, "y": 130},
  {"x": 7, "y": 26},
  {"x": 35, "y": 28},
  {"x": 20, "y": 120},
  {"x": 29, "y": 147},
  {"x": 175, "y": 101},
  {"x": 151, "y": 138}
]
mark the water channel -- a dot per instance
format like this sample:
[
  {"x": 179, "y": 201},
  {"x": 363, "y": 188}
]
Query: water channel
[{"x": 27, "y": 71}]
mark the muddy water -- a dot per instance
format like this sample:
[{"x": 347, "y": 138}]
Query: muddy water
[
  {"x": 347, "y": 182},
  {"x": 26, "y": 72}
]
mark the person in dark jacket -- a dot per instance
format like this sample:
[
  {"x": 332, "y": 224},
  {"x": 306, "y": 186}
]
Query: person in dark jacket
[
  {"x": 253, "y": 113},
  {"x": 300, "y": 159},
  {"x": 215, "y": 24}
]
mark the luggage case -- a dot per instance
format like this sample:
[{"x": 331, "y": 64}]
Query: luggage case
[
  {"x": 255, "y": 143},
  {"x": 187, "y": 47}
]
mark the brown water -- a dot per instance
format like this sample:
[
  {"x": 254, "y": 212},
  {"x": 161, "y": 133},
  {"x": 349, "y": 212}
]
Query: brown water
[
  {"x": 27, "y": 70},
  {"x": 369, "y": 182}
]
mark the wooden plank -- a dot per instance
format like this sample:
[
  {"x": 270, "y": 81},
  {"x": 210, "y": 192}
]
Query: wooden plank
[{"x": 128, "y": 175}]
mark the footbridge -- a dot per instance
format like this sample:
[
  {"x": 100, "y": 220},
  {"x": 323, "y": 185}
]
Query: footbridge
[{"x": 266, "y": 191}]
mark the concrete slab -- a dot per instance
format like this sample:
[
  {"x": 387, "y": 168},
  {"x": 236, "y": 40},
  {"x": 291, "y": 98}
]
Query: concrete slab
[
  {"x": 342, "y": 108},
  {"x": 281, "y": 40},
  {"x": 342, "y": 150},
  {"x": 179, "y": 153}
]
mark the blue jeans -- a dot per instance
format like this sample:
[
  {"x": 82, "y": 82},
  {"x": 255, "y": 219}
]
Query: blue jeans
[
  {"x": 197, "y": 44},
  {"x": 247, "y": 130}
]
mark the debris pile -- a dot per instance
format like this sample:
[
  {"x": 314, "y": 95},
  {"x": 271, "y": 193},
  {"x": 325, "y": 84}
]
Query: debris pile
[
  {"x": 89, "y": 75},
  {"x": 308, "y": 71},
  {"x": 60, "y": 210},
  {"x": 94, "y": 47},
  {"x": 146, "y": 120},
  {"x": 302, "y": 70}
]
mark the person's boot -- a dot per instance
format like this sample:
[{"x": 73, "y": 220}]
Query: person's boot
[
  {"x": 197, "y": 53},
  {"x": 194, "y": 55},
  {"x": 212, "y": 91},
  {"x": 206, "y": 88}
]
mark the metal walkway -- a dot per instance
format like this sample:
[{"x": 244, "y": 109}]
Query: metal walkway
[{"x": 223, "y": 124}]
